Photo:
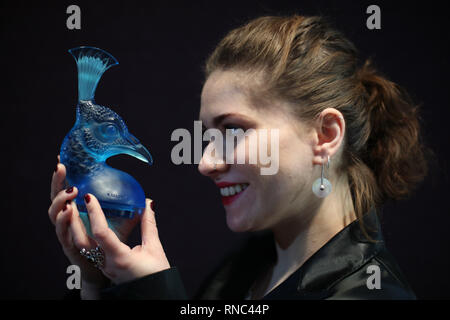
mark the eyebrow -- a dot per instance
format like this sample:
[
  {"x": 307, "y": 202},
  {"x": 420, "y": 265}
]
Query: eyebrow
[{"x": 220, "y": 118}]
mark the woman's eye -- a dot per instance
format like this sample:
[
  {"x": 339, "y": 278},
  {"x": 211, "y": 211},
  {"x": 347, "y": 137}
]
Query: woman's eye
[{"x": 233, "y": 128}]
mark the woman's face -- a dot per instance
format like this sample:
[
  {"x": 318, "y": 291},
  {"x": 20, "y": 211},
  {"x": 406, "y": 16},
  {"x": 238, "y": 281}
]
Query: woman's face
[{"x": 259, "y": 201}]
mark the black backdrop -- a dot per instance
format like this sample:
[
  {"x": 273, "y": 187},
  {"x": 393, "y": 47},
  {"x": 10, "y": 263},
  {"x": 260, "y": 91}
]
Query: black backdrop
[{"x": 161, "y": 47}]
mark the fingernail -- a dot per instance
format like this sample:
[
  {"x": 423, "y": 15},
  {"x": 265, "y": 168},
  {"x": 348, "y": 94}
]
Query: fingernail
[
  {"x": 69, "y": 190},
  {"x": 152, "y": 205},
  {"x": 87, "y": 198}
]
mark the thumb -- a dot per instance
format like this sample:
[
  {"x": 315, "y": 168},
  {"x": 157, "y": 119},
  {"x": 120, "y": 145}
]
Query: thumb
[{"x": 149, "y": 231}]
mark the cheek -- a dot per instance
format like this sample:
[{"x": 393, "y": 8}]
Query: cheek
[
  {"x": 267, "y": 201},
  {"x": 252, "y": 211},
  {"x": 295, "y": 167},
  {"x": 272, "y": 197},
  {"x": 258, "y": 148},
  {"x": 287, "y": 191},
  {"x": 295, "y": 157},
  {"x": 246, "y": 149}
]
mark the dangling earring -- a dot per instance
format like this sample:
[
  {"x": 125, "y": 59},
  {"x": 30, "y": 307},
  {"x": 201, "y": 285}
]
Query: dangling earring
[{"x": 322, "y": 187}]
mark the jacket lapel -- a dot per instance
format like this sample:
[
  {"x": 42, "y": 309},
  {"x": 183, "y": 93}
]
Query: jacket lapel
[{"x": 346, "y": 252}]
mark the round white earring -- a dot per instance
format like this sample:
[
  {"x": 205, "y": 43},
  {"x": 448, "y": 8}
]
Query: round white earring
[{"x": 322, "y": 187}]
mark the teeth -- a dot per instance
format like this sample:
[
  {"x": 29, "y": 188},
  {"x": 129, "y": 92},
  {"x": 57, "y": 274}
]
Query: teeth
[
  {"x": 232, "y": 190},
  {"x": 224, "y": 192}
]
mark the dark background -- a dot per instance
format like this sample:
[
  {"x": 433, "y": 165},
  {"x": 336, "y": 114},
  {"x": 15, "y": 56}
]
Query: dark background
[{"x": 161, "y": 48}]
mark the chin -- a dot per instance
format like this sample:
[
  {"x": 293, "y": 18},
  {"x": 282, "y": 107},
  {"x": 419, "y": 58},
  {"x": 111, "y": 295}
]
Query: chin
[{"x": 237, "y": 222}]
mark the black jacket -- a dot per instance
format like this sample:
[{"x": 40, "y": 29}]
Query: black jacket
[{"x": 338, "y": 270}]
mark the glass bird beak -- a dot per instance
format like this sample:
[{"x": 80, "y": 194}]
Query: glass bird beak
[{"x": 137, "y": 150}]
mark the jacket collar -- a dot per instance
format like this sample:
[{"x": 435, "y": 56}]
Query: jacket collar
[{"x": 347, "y": 251}]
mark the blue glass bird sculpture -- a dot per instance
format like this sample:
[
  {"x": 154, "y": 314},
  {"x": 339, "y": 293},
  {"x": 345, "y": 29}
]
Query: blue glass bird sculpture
[{"x": 98, "y": 134}]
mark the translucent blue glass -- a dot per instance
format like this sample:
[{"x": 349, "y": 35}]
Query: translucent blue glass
[{"x": 100, "y": 133}]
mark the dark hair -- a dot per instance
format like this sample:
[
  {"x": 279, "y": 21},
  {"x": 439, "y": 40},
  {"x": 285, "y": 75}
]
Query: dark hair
[{"x": 304, "y": 60}]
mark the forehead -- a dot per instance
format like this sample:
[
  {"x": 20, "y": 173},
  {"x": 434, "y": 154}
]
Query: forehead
[
  {"x": 224, "y": 92},
  {"x": 229, "y": 92}
]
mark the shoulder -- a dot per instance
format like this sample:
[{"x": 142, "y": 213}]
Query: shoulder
[
  {"x": 237, "y": 271},
  {"x": 379, "y": 278}
]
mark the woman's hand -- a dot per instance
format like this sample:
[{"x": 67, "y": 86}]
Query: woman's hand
[
  {"x": 121, "y": 262},
  {"x": 65, "y": 217}
]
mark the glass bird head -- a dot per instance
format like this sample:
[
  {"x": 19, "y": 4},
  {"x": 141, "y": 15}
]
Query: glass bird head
[{"x": 98, "y": 134}]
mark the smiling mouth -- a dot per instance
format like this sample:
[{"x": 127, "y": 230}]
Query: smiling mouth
[{"x": 230, "y": 193}]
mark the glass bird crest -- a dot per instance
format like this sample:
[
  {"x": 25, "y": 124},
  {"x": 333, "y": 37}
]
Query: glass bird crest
[{"x": 100, "y": 133}]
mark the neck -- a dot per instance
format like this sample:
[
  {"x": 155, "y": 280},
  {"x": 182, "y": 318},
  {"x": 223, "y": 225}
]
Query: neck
[
  {"x": 299, "y": 237},
  {"x": 317, "y": 224}
]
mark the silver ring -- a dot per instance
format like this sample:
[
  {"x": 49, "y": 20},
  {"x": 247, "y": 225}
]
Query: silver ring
[{"x": 95, "y": 256}]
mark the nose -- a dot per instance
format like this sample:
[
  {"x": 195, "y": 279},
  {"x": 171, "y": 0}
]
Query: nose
[{"x": 211, "y": 166}]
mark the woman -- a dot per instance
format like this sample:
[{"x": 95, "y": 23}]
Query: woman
[{"x": 338, "y": 121}]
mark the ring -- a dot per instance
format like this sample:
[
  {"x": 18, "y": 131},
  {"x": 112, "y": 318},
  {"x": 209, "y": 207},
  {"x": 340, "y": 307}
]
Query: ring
[{"x": 95, "y": 256}]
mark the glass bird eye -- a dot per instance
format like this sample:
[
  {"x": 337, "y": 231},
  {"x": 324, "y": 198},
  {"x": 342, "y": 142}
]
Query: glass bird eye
[{"x": 108, "y": 132}]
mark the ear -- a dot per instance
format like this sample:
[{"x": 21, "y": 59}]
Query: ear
[{"x": 329, "y": 131}]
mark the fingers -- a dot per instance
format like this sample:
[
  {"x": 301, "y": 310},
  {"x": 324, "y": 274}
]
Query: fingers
[
  {"x": 79, "y": 234},
  {"x": 59, "y": 202},
  {"x": 62, "y": 227},
  {"x": 58, "y": 180},
  {"x": 105, "y": 237},
  {"x": 149, "y": 231}
]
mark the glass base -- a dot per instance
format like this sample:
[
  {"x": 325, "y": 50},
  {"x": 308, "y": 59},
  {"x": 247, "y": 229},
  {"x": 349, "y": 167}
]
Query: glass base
[
  {"x": 114, "y": 217},
  {"x": 116, "y": 213}
]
